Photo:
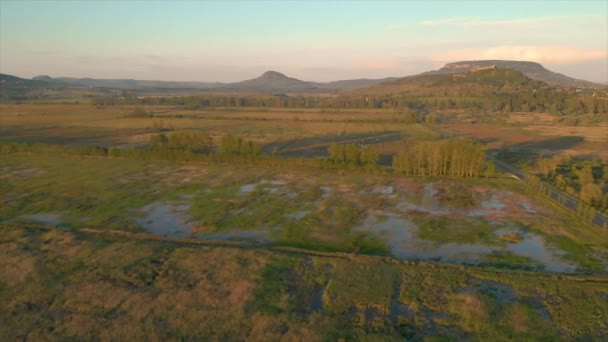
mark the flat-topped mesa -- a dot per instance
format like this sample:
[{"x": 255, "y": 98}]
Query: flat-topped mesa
[
  {"x": 478, "y": 68},
  {"x": 456, "y": 66},
  {"x": 471, "y": 68},
  {"x": 532, "y": 70},
  {"x": 465, "y": 66}
]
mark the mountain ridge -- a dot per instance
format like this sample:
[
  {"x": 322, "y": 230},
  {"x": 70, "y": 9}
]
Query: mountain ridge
[
  {"x": 274, "y": 82},
  {"x": 269, "y": 82},
  {"x": 478, "y": 82}
]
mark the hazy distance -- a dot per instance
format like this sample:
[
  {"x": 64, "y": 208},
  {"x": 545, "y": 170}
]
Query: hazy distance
[{"x": 312, "y": 41}]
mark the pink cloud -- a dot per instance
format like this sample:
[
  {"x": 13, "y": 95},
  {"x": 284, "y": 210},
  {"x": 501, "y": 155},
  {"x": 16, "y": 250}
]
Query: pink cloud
[{"x": 541, "y": 54}]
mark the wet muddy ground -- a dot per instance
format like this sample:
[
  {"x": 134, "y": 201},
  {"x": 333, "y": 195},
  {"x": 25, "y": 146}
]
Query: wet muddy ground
[
  {"x": 476, "y": 222},
  {"x": 396, "y": 224}
]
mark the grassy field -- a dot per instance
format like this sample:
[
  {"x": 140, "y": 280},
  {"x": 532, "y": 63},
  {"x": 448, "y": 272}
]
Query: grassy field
[
  {"x": 532, "y": 141},
  {"x": 67, "y": 284},
  {"x": 292, "y": 131},
  {"x": 428, "y": 219},
  {"x": 114, "y": 125}
]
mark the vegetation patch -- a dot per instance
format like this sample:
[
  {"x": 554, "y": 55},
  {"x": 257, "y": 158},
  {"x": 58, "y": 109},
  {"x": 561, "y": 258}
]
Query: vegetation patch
[
  {"x": 456, "y": 196},
  {"x": 511, "y": 237},
  {"x": 452, "y": 229}
]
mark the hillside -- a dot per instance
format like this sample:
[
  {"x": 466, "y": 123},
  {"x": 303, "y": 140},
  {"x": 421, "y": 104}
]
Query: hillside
[
  {"x": 15, "y": 88},
  {"x": 532, "y": 70},
  {"x": 361, "y": 82},
  {"x": 397, "y": 85},
  {"x": 274, "y": 82},
  {"x": 127, "y": 83},
  {"x": 482, "y": 82},
  {"x": 496, "y": 77}
]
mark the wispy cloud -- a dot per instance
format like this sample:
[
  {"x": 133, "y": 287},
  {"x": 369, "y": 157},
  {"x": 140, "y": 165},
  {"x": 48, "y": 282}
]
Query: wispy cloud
[
  {"x": 541, "y": 54},
  {"x": 479, "y": 23}
]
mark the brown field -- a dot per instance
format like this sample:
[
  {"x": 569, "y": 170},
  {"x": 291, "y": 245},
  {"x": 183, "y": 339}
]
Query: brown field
[
  {"x": 531, "y": 118},
  {"x": 541, "y": 139},
  {"x": 64, "y": 285},
  {"x": 291, "y": 131},
  {"x": 294, "y": 132}
]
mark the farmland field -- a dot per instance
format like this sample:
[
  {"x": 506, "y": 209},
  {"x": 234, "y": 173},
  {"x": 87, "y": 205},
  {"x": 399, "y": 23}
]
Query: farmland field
[
  {"x": 43, "y": 123},
  {"x": 590, "y": 141}
]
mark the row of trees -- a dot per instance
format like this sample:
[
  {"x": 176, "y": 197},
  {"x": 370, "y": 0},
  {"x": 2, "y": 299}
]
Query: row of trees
[
  {"x": 202, "y": 143},
  {"x": 584, "y": 210},
  {"x": 194, "y": 141},
  {"x": 353, "y": 154},
  {"x": 163, "y": 152},
  {"x": 236, "y": 146},
  {"x": 586, "y": 179},
  {"x": 527, "y": 99},
  {"x": 453, "y": 157}
]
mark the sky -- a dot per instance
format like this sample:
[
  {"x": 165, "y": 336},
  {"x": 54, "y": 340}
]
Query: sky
[{"x": 311, "y": 40}]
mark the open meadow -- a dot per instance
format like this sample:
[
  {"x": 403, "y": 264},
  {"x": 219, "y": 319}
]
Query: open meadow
[
  {"x": 149, "y": 248},
  {"x": 473, "y": 222},
  {"x": 293, "y": 132},
  {"x": 59, "y": 284}
]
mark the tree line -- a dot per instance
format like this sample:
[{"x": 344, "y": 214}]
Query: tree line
[
  {"x": 197, "y": 142},
  {"x": 586, "y": 179},
  {"x": 584, "y": 210},
  {"x": 452, "y": 158},
  {"x": 354, "y": 154},
  {"x": 556, "y": 101},
  {"x": 456, "y": 157}
]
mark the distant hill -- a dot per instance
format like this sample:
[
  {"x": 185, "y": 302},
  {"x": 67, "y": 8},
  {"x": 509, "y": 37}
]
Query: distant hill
[
  {"x": 497, "y": 77},
  {"x": 270, "y": 82},
  {"x": 397, "y": 85},
  {"x": 15, "y": 88},
  {"x": 274, "y": 82},
  {"x": 479, "y": 82},
  {"x": 361, "y": 82},
  {"x": 127, "y": 83},
  {"x": 532, "y": 70}
]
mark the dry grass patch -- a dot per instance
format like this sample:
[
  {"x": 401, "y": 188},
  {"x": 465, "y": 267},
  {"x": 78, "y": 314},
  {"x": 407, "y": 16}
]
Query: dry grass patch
[
  {"x": 471, "y": 311},
  {"x": 59, "y": 243},
  {"x": 90, "y": 297},
  {"x": 16, "y": 265}
]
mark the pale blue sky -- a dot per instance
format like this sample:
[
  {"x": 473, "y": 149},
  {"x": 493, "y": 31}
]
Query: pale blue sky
[{"x": 235, "y": 40}]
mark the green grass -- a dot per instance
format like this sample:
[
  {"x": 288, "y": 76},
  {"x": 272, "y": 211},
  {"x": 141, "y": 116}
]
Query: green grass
[
  {"x": 450, "y": 229},
  {"x": 108, "y": 193},
  {"x": 509, "y": 260},
  {"x": 82, "y": 189}
]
